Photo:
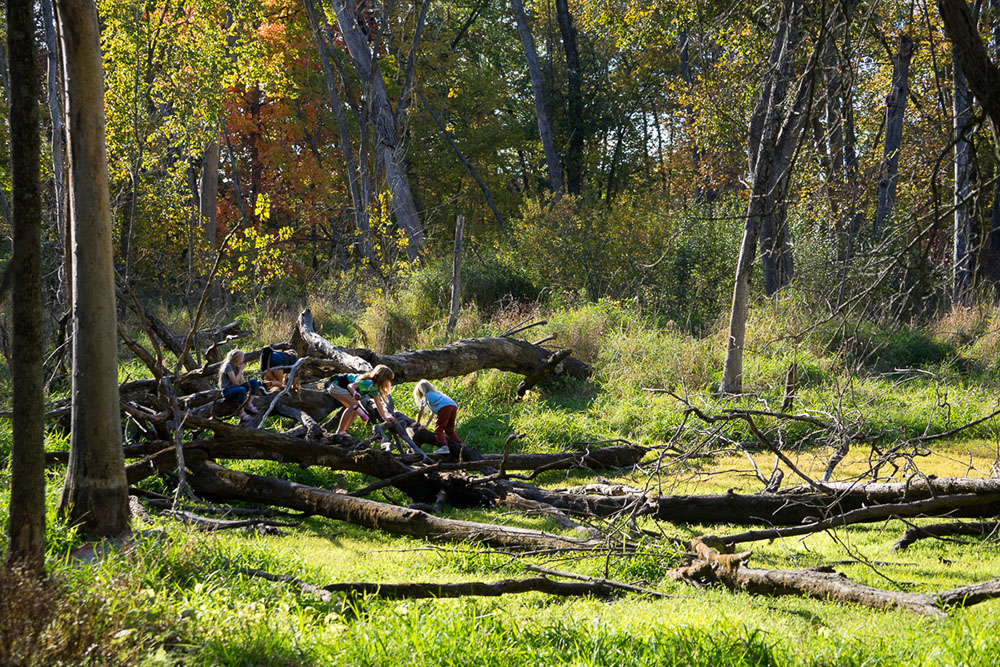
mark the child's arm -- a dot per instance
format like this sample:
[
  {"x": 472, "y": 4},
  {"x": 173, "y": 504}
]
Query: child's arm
[
  {"x": 420, "y": 415},
  {"x": 234, "y": 377},
  {"x": 382, "y": 411},
  {"x": 353, "y": 388}
]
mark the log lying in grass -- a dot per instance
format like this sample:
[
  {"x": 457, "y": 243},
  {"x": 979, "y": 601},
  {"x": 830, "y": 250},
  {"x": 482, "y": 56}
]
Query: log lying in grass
[
  {"x": 460, "y": 358},
  {"x": 944, "y": 530},
  {"x": 927, "y": 507},
  {"x": 541, "y": 584},
  {"x": 211, "y": 525},
  {"x": 211, "y": 480},
  {"x": 730, "y": 571}
]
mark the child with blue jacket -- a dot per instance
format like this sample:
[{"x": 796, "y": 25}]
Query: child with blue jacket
[{"x": 426, "y": 396}]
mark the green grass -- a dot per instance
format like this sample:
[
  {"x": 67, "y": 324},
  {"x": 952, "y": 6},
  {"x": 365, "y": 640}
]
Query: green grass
[{"x": 183, "y": 598}]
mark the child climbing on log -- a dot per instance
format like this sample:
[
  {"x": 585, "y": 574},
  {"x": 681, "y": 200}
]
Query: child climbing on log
[
  {"x": 426, "y": 396},
  {"x": 271, "y": 363},
  {"x": 233, "y": 385},
  {"x": 348, "y": 388}
]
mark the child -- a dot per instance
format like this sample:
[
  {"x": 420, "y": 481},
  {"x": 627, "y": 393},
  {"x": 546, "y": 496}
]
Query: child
[
  {"x": 348, "y": 388},
  {"x": 426, "y": 396},
  {"x": 233, "y": 385},
  {"x": 275, "y": 377}
]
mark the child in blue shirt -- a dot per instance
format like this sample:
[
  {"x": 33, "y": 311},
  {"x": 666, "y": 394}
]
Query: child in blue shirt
[{"x": 426, "y": 396}]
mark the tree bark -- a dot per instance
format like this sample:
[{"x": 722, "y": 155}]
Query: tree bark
[
  {"x": 352, "y": 168},
  {"x": 895, "y": 107},
  {"x": 556, "y": 181},
  {"x": 770, "y": 142},
  {"x": 26, "y": 529},
  {"x": 384, "y": 123},
  {"x": 95, "y": 494},
  {"x": 58, "y": 170},
  {"x": 964, "y": 210},
  {"x": 456, "y": 275},
  {"x": 574, "y": 149},
  {"x": 214, "y": 481}
]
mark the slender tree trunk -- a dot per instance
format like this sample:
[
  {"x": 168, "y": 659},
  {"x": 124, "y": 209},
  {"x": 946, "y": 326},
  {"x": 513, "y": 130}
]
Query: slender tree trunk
[
  {"x": 383, "y": 122},
  {"x": 964, "y": 210},
  {"x": 58, "y": 171},
  {"x": 895, "y": 106},
  {"x": 574, "y": 152},
  {"x": 95, "y": 494},
  {"x": 208, "y": 204},
  {"x": 351, "y": 167},
  {"x": 779, "y": 134},
  {"x": 456, "y": 275},
  {"x": 556, "y": 181},
  {"x": 26, "y": 530}
]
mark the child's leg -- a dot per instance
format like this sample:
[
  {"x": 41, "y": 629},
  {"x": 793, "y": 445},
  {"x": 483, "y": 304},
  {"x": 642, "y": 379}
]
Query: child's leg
[
  {"x": 238, "y": 393},
  {"x": 347, "y": 418},
  {"x": 444, "y": 428}
]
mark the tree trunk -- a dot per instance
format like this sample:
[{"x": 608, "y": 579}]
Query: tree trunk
[
  {"x": 574, "y": 149},
  {"x": 895, "y": 106},
  {"x": 58, "y": 171},
  {"x": 26, "y": 530},
  {"x": 456, "y": 275},
  {"x": 556, "y": 181},
  {"x": 95, "y": 494},
  {"x": 964, "y": 209},
  {"x": 214, "y": 481},
  {"x": 383, "y": 121},
  {"x": 772, "y": 135}
]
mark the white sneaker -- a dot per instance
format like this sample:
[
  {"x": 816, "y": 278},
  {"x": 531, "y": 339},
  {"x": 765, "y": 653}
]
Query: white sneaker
[{"x": 444, "y": 449}]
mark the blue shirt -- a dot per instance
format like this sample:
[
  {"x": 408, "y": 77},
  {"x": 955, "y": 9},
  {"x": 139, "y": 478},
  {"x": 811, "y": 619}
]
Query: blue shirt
[{"x": 436, "y": 400}]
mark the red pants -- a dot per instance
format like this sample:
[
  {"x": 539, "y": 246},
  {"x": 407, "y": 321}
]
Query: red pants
[{"x": 445, "y": 426}]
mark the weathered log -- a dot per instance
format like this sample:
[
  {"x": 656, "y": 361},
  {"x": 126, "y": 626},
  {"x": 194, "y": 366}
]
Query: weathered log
[
  {"x": 542, "y": 584},
  {"x": 916, "y": 488},
  {"x": 212, "y": 480},
  {"x": 542, "y": 371},
  {"x": 927, "y": 507},
  {"x": 212, "y": 525},
  {"x": 729, "y": 570},
  {"x": 459, "y": 358},
  {"x": 307, "y": 342},
  {"x": 942, "y": 530}
]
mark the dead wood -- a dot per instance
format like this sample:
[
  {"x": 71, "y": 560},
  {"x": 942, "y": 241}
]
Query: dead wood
[
  {"x": 542, "y": 371},
  {"x": 944, "y": 530},
  {"x": 211, "y": 525},
  {"x": 916, "y": 488},
  {"x": 214, "y": 481},
  {"x": 927, "y": 507},
  {"x": 459, "y": 358},
  {"x": 540, "y": 584},
  {"x": 522, "y": 504},
  {"x": 729, "y": 570}
]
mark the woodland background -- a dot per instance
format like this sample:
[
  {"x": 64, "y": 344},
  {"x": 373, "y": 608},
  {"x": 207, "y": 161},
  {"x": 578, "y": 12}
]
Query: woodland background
[{"x": 719, "y": 207}]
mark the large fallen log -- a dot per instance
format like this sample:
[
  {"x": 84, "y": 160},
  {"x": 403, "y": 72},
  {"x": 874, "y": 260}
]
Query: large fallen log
[
  {"x": 213, "y": 481},
  {"x": 460, "y": 358},
  {"x": 729, "y": 570}
]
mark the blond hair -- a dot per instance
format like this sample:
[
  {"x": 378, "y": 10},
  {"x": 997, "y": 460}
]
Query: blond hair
[
  {"x": 382, "y": 377},
  {"x": 420, "y": 391},
  {"x": 228, "y": 361}
]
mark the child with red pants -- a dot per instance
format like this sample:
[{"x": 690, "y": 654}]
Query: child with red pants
[{"x": 426, "y": 396}]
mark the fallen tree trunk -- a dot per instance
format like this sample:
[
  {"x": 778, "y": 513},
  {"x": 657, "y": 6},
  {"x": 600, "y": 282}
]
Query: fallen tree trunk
[
  {"x": 541, "y": 584},
  {"x": 459, "y": 358},
  {"x": 821, "y": 583},
  {"x": 927, "y": 507},
  {"x": 944, "y": 530},
  {"x": 214, "y": 481}
]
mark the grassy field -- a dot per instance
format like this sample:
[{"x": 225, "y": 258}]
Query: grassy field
[{"x": 181, "y": 597}]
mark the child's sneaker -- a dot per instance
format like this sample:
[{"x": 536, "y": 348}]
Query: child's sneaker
[{"x": 443, "y": 449}]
